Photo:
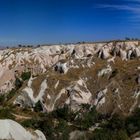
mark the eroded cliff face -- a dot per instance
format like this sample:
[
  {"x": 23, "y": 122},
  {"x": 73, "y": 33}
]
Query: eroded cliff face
[{"x": 106, "y": 75}]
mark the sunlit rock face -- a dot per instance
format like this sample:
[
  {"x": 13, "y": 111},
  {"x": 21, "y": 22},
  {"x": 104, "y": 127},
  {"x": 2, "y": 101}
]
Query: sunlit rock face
[
  {"x": 11, "y": 130},
  {"x": 102, "y": 74}
]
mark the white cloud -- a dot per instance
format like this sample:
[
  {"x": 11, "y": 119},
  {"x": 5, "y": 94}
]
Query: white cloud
[
  {"x": 131, "y": 6},
  {"x": 134, "y": 8}
]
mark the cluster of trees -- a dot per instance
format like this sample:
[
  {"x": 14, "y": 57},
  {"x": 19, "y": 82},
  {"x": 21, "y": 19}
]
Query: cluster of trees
[
  {"x": 19, "y": 81},
  {"x": 18, "y": 84},
  {"x": 128, "y": 38},
  {"x": 6, "y": 97},
  {"x": 29, "y": 46},
  {"x": 59, "y": 123},
  {"x": 118, "y": 128}
]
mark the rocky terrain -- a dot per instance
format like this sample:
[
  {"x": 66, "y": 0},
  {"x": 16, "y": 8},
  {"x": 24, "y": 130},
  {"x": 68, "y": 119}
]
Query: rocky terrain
[
  {"x": 105, "y": 75},
  {"x": 12, "y": 130}
]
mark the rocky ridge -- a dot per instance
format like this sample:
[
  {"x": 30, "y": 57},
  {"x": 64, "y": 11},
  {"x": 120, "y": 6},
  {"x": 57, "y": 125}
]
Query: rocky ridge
[{"x": 102, "y": 74}]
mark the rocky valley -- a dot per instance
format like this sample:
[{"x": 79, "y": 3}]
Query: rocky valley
[{"x": 72, "y": 91}]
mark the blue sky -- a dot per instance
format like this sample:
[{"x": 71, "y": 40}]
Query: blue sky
[{"x": 64, "y": 21}]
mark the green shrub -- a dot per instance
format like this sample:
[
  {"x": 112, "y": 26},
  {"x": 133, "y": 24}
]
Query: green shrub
[
  {"x": 62, "y": 113},
  {"x": 121, "y": 135},
  {"x": 38, "y": 107},
  {"x": 5, "y": 113},
  {"x": 106, "y": 134},
  {"x": 45, "y": 124},
  {"x": 18, "y": 83},
  {"x": 116, "y": 123},
  {"x": 101, "y": 134},
  {"x": 32, "y": 123},
  {"x": 2, "y": 99},
  {"x": 64, "y": 129},
  {"x": 133, "y": 122},
  {"x": 89, "y": 118},
  {"x": 10, "y": 94},
  {"x": 26, "y": 75}
]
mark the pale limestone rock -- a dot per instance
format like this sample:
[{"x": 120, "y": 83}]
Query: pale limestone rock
[
  {"x": 61, "y": 67},
  {"x": 26, "y": 98},
  {"x": 43, "y": 57},
  {"x": 77, "y": 96},
  {"x": 100, "y": 98},
  {"x": 123, "y": 54},
  {"x": 10, "y": 129},
  {"x": 137, "y": 50},
  {"x": 105, "y": 71}
]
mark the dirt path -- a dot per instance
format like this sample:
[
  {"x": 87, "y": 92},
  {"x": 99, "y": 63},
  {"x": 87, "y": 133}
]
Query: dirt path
[{"x": 20, "y": 117}]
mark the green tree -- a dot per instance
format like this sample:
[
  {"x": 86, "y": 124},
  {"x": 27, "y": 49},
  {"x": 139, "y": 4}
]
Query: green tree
[
  {"x": 116, "y": 123},
  {"x": 18, "y": 83},
  {"x": 62, "y": 113},
  {"x": 63, "y": 128},
  {"x": 133, "y": 122},
  {"x": 89, "y": 117},
  {"x": 26, "y": 75},
  {"x": 2, "y": 99},
  {"x": 38, "y": 107}
]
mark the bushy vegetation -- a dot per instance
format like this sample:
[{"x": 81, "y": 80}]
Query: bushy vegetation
[
  {"x": 87, "y": 118},
  {"x": 6, "y": 113},
  {"x": 55, "y": 124},
  {"x": 6, "y": 97},
  {"x": 118, "y": 128},
  {"x": 62, "y": 121},
  {"x": 26, "y": 75},
  {"x": 38, "y": 107},
  {"x": 18, "y": 83},
  {"x": 2, "y": 99},
  {"x": 133, "y": 122},
  {"x": 113, "y": 129},
  {"x": 59, "y": 123},
  {"x": 106, "y": 134},
  {"x": 10, "y": 94},
  {"x": 62, "y": 113}
]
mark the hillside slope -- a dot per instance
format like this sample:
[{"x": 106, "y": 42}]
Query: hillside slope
[{"x": 104, "y": 75}]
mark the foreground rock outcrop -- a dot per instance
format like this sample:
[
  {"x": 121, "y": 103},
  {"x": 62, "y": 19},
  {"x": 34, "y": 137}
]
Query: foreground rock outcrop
[{"x": 11, "y": 130}]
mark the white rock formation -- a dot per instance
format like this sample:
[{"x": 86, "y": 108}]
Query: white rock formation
[
  {"x": 61, "y": 67},
  {"x": 136, "y": 138},
  {"x": 135, "y": 96},
  {"x": 105, "y": 71},
  {"x": 76, "y": 135},
  {"x": 77, "y": 95},
  {"x": 137, "y": 50},
  {"x": 100, "y": 98},
  {"x": 11, "y": 130},
  {"x": 37, "y": 60},
  {"x": 27, "y": 95},
  {"x": 138, "y": 79},
  {"x": 123, "y": 54}
]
